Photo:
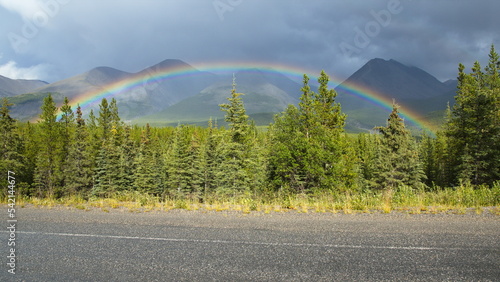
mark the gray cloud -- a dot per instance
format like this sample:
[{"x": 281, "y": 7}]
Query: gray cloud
[{"x": 76, "y": 36}]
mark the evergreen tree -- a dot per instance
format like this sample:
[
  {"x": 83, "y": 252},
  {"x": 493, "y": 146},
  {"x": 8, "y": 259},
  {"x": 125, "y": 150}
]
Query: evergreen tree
[
  {"x": 211, "y": 159},
  {"x": 104, "y": 120},
  {"x": 107, "y": 170},
  {"x": 236, "y": 116},
  {"x": 67, "y": 120},
  {"x": 78, "y": 170},
  {"x": 366, "y": 149},
  {"x": 30, "y": 149},
  {"x": 127, "y": 149},
  {"x": 115, "y": 159},
  {"x": 473, "y": 129},
  {"x": 289, "y": 154},
  {"x": 398, "y": 162},
  {"x": 310, "y": 149},
  {"x": 327, "y": 111},
  {"x": 48, "y": 164},
  {"x": 10, "y": 144},
  {"x": 234, "y": 174},
  {"x": 147, "y": 177},
  {"x": 94, "y": 140},
  {"x": 178, "y": 167}
]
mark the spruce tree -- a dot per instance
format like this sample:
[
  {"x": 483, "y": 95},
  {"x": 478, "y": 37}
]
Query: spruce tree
[
  {"x": 104, "y": 120},
  {"x": 115, "y": 158},
  {"x": 310, "y": 149},
  {"x": 179, "y": 167},
  {"x": 398, "y": 162},
  {"x": 67, "y": 122},
  {"x": 10, "y": 145},
  {"x": 211, "y": 159},
  {"x": 147, "y": 177},
  {"x": 78, "y": 169},
  {"x": 48, "y": 164},
  {"x": 107, "y": 170},
  {"x": 473, "y": 129},
  {"x": 234, "y": 173}
]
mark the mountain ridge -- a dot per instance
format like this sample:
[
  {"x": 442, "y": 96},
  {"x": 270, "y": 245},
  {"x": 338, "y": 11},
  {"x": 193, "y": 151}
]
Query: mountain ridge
[
  {"x": 191, "y": 98},
  {"x": 12, "y": 87}
]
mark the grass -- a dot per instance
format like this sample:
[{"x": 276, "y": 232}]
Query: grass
[{"x": 460, "y": 200}]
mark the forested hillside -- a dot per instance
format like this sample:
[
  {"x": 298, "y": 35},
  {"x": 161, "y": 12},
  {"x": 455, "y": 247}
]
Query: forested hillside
[{"x": 305, "y": 150}]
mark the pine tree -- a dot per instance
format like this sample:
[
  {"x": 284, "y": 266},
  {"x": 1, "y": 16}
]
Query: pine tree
[
  {"x": 398, "y": 162},
  {"x": 67, "y": 120},
  {"x": 211, "y": 159},
  {"x": 10, "y": 144},
  {"x": 48, "y": 164},
  {"x": 67, "y": 137},
  {"x": 104, "y": 120},
  {"x": 180, "y": 174},
  {"x": 310, "y": 149},
  {"x": 127, "y": 149},
  {"x": 29, "y": 154},
  {"x": 115, "y": 159},
  {"x": 473, "y": 129},
  {"x": 366, "y": 149},
  {"x": 78, "y": 170},
  {"x": 147, "y": 177},
  {"x": 327, "y": 111},
  {"x": 236, "y": 116},
  {"x": 234, "y": 174},
  {"x": 289, "y": 154},
  {"x": 107, "y": 170}
]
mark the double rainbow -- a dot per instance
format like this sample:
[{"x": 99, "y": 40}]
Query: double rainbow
[{"x": 142, "y": 79}]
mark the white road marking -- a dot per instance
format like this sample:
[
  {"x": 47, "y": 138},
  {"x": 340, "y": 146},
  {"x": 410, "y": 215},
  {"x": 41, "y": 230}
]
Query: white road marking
[{"x": 235, "y": 242}]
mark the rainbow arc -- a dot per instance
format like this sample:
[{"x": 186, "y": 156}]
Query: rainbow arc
[{"x": 143, "y": 79}]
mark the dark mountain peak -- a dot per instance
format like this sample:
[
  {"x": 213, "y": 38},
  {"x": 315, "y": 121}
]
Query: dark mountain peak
[
  {"x": 166, "y": 64},
  {"x": 396, "y": 80}
]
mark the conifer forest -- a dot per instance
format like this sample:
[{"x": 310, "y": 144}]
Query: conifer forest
[{"x": 305, "y": 151}]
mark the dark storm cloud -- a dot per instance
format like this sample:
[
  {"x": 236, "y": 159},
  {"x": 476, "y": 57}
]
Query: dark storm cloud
[{"x": 76, "y": 36}]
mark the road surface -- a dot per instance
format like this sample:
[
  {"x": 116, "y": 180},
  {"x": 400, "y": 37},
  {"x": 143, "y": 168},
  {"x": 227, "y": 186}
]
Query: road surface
[{"x": 72, "y": 245}]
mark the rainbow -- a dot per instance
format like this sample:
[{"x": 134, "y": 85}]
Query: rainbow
[{"x": 142, "y": 79}]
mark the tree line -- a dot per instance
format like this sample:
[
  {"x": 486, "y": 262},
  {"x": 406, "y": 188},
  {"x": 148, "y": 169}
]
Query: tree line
[{"x": 305, "y": 150}]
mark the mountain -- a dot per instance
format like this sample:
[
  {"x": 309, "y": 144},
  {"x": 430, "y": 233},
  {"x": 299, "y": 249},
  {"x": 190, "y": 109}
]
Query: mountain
[
  {"x": 410, "y": 86},
  {"x": 27, "y": 106},
  {"x": 264, "y": 94},
  {"x": 12, "y": 87},
  {"x": 173, "y": 91},
  {"x": 150, "y": 90}
]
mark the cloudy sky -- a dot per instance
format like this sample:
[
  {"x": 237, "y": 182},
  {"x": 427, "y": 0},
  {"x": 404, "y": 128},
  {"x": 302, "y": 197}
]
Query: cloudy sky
[{"x": 57, "y": 39}]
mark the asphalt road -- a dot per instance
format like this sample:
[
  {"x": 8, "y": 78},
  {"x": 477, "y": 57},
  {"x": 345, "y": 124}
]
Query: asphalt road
[{"x": 74, "y": 245}]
